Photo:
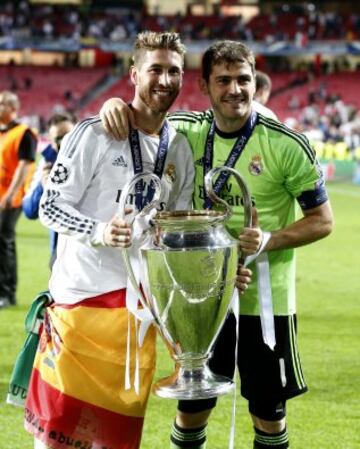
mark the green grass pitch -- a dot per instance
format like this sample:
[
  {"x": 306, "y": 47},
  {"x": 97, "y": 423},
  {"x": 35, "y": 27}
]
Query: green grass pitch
[{"x": 328, "y": 290}]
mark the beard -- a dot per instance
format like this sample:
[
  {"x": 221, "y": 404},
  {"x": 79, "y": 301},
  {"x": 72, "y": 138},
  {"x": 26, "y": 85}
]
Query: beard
[{"x": 156, "y": 103}]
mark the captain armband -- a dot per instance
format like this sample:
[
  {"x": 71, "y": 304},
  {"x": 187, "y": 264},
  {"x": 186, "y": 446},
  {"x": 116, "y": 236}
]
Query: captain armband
[{"x": 313, "y": 198}]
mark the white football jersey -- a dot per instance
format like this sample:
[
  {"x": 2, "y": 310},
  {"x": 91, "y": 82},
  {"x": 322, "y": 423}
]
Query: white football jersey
[
  {"x": 258, "y": 107},
  {"x": 83, "y": 193}
]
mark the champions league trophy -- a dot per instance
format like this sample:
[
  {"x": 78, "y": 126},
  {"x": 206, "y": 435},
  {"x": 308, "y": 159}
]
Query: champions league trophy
[{"x": 189, "y": 265}]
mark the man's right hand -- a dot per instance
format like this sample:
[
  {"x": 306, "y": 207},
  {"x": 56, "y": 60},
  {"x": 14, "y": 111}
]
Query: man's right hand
[
  {"x": 243, "y": 279},
  {"x": 117, "y": 232},
  {"x": 117, "y": 118},
  {"x": 250, "y": 238}
]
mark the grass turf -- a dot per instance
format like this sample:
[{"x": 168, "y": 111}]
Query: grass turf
[{"x": 328, "y": 289}]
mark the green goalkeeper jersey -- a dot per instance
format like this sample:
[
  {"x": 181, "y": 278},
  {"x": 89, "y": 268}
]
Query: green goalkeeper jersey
[{"x": 281, "y": 170}]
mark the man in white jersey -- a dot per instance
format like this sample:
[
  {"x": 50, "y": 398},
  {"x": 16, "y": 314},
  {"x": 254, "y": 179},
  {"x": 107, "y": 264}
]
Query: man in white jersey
[
  {"x": 77, "y": 395},
  {"x": 281, "y": 171}
]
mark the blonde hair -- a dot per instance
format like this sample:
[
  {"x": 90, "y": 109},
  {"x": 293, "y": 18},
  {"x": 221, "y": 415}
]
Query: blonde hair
[{"x": 150, "y": 41}]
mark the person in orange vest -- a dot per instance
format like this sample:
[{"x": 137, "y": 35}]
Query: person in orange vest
[{"x": 17, "y": 156}]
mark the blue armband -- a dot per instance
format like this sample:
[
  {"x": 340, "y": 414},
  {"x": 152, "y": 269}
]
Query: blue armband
[{"x": 313, "y": 198}]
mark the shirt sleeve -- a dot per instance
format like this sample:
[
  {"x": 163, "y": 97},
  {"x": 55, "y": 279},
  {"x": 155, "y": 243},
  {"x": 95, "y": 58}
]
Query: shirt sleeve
[
  {"x": 304, "y": 177},
  {"x": 69, "y": 178},
  {"x": 27, "y": 147},
  {"x": 190, "y": 124}
]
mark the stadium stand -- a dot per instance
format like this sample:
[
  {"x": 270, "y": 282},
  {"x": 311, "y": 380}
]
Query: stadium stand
[
  {"x": 314, "y": 25},
  {"x": 309, "y": 94},
  {"x": 189, "y": 97},
  {"x": 53, "y": 21},
  {"x": 47, "y": 89},
  {"x": 323, "y": 87}
]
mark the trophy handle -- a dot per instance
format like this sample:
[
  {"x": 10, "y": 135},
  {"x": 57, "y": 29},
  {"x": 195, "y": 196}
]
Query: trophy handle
[
  {"x": 122, "y": 205},
  {"x": 216, "y": 199}
]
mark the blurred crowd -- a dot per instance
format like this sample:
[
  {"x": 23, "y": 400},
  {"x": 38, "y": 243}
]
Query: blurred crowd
[
  {"x": 298, "y": 23},
  {"x": 324, "y": 116},
  {"x": 306, "y": 22},
  {"x": 320, "y": 112},
  {"x": 22, "y": 20},
  {"x": 328, "y": 120}
]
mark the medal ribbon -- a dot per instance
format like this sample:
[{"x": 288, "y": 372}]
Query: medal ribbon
[
  {"x": 143, "y": 315},
  {"x": 234, "y": 155},
  {"x": 134, "y": 141},
  {"x": 262, "y": 263}
]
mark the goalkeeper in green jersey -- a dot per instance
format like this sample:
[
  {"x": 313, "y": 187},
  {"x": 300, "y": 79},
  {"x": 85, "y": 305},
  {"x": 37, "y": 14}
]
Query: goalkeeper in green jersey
[{"x": 282, "y": 173}]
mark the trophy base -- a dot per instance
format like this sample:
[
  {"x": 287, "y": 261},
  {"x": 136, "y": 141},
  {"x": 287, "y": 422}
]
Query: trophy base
[{"x": 197, "y": 383}]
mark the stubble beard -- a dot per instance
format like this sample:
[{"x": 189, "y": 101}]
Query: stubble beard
[{"x": 158, "y": 106}]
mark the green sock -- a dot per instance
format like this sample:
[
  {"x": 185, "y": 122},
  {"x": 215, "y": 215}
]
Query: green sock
[{"x": 188, "y": 438}]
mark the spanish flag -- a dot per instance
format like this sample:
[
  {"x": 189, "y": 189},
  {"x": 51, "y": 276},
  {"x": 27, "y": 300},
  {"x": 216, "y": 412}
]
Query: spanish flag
[{"x": 77, "y": 397}]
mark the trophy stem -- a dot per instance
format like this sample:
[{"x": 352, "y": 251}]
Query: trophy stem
[{"x": 192, "y": 379}]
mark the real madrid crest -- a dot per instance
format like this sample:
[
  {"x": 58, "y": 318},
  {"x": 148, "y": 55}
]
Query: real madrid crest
[
  {"x": 256, "y": 166},
  {"x": 170, "y": 173}
]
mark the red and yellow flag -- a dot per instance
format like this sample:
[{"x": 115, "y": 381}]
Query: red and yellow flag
[{"x": 76, "y": 395}]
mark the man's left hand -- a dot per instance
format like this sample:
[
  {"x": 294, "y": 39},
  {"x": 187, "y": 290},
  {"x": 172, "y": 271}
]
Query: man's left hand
[{"x": 250, "y": 238}]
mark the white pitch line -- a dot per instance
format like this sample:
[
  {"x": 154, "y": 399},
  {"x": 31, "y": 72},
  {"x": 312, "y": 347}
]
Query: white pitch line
[{"x": 343, "y": 191}]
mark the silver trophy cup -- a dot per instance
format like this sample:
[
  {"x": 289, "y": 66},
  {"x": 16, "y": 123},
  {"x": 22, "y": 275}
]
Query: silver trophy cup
[{"x": 189, "y": 264}]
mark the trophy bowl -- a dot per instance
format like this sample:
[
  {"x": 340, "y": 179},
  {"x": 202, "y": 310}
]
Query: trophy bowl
[
  {"x": 190, "y": 271},
  {"x": 189, "y": 263}
]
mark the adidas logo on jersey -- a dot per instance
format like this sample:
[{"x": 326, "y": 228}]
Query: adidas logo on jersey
[{"x": 119, "y": 162}]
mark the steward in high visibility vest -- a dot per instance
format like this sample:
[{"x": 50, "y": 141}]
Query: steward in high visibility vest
[{"x": 17, "y": 156}]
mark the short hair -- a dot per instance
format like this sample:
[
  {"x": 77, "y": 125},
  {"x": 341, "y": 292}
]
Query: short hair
[
  {"x": 11, "y": 99},
  {"x": 150, "y": 41},
  {"x": 262, "y": 80},
  {"x": 60, "y": 117},
  {"x": 226, "y": 51}
]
